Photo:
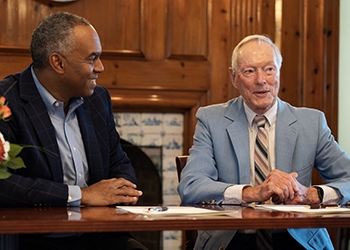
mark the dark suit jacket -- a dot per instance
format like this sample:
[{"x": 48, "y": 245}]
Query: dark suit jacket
[{"x": 41, "y": 182}]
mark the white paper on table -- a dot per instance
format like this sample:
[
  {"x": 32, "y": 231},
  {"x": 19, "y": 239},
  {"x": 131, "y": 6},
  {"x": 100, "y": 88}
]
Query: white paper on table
[
  {"x": 172, "y": 211},
  {"x": 303, "y": 209}
]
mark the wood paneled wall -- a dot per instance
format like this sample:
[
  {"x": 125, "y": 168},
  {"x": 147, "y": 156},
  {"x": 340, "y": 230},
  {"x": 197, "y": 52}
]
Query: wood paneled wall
[{"x": 173, "y": 55}]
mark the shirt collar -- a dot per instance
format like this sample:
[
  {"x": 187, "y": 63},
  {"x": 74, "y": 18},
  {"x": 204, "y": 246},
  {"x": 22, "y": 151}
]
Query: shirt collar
[
  {"x": 50, "y": 102},
  {"x": 270, "y": 115}
]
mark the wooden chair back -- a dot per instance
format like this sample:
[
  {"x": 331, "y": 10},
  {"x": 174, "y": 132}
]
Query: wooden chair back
[
  {"x": 181, "y": 161},
  {"x": 190, "y": 235}
]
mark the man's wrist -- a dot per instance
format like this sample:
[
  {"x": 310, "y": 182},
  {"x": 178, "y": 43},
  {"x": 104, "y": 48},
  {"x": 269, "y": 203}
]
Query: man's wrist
[
  {"x": 250, "y": 194},
  {"x": 314, "y": 195}
]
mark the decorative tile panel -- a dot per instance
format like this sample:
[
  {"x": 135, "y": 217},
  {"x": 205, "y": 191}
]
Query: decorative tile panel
[{"x": 166, "y": 131}]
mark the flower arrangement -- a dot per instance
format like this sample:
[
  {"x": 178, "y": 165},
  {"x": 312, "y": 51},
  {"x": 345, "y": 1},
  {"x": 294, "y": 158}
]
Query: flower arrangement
[{"x": 8, "y": 151}]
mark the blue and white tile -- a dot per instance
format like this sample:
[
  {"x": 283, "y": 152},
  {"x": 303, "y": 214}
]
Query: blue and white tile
[
  {"x": 117, "y": 119},
  {"x": 152, "y": 140},
  {"x": 169, "y": 163},
  {"x": 166, "y": 131},
  {"x": 172, "y": 240},
  {"x": 130, "y": 122},
  {"x": 133, "y": 138},
  {"x": 169, "y": 185},
  {"x": 173, "y": 145},
  {"x": 173, "y": 123},
  {"x": 151, "y": 123}
]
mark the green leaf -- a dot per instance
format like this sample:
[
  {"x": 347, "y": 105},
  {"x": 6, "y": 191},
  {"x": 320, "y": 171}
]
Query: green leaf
[
  {"x": 15, "y": 149},
  {"x": 15, "y": 163},
  {"x": 3, "y": 173}
]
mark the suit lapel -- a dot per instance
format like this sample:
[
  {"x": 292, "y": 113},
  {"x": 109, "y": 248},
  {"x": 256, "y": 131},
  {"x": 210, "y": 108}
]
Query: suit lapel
[
  {"x": 92, "y": 147},
  {"x": 286, "y": 137},
  {"x": 37, "y": 114},
  {"x": 239, "y": 137},
  {"x": 285, "y": 141}
]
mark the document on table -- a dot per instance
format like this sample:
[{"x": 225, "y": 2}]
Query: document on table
[
  {"x": 304, "y": 209},
  {"x": 171, "y": 211}
]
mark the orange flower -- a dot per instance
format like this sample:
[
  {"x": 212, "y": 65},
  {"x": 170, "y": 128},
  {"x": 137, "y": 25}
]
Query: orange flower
[
  {"x": 5, "y": 111},
  {"x": 8, "y": 152}
]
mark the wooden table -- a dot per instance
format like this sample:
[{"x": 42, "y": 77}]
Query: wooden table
[
  {"x": 108, "y": 219},
  {"x": 14, "y": 221}
]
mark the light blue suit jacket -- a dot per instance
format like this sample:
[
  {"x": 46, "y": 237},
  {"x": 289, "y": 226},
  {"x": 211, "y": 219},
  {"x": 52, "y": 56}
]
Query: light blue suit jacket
[{"x": 220, "y": 158}]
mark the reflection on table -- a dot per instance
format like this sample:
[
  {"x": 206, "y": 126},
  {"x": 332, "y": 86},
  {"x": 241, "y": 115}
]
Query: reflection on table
[{"x": 108, "y": 219}]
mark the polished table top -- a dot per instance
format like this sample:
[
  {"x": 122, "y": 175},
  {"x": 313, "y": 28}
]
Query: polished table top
[{"x": 109, "y": 219}]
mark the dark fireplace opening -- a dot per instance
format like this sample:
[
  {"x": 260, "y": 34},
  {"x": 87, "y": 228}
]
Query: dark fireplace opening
[{"x": 147, "y": 164}]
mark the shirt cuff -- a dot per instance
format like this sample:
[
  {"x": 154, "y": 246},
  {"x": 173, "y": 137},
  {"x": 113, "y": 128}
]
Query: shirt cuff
[
  {"x": 330, "y": 195},
  {"x": 74, "y": 196},
  {"x": 74, "y": 213},
  {"x": 233, "y": 194}
]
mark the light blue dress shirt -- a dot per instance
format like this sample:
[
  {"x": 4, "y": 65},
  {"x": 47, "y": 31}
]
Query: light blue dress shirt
[{"x": 69, "y": 140}]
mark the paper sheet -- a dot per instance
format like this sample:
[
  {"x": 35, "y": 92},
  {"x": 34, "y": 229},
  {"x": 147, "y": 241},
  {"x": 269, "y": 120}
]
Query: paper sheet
[
  {"x": 303, "y": 209},
  {"x": 171, "y": 211}
]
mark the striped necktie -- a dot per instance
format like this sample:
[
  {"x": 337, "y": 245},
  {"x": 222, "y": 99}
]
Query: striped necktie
[
  {"x": 261, "y": 159},
  {"x": 261, "y": 165}
]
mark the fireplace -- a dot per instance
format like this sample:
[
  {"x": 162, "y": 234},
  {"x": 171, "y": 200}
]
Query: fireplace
[
  {"x": 150, "y": 182},
  {"x": 148, "y": 173},
  {"x": 152, "y": 141}
]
